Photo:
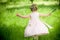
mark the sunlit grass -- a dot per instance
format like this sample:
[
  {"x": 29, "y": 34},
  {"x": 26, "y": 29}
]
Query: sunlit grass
[{"x": 12, "y": 27}]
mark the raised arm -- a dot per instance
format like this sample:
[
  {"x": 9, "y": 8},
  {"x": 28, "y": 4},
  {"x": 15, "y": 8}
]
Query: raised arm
[
  {"x": 45, "y": 14},
  {"x": 27, "y": 16}
]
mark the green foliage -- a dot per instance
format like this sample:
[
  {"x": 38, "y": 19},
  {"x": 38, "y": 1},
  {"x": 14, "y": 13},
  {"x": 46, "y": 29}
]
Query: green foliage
[
  {"x": 12, "y": 27},
  {"x": 31, "y": 1}
]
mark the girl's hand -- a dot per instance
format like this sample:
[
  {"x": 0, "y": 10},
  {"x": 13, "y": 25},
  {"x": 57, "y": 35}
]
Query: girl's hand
[
  {"x": 17, "y": 14},
  {"x": 49, "y": 14}
]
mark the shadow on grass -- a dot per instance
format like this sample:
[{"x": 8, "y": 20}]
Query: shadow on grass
[{"x": 11, "y": 32}]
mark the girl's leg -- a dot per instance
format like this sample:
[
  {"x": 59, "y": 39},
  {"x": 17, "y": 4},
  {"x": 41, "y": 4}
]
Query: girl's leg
[{"x": 35, "y": 37}]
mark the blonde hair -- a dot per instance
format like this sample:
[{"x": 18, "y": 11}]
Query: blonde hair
[{"x": 33, "y": 7}]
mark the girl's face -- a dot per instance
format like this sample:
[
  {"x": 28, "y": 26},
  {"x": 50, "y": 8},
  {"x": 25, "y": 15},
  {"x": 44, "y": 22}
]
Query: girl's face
[{"x": 33, "y": 7}]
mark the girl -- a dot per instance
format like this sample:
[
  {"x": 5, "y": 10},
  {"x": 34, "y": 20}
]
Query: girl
[{"x": 35, "y": 26}]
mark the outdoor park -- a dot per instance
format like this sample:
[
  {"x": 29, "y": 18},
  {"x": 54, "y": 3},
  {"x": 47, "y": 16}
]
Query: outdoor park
[{"x": 12, "y": 27}]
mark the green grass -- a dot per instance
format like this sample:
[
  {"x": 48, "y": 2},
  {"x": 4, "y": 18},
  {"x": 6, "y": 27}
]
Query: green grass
[{"x": 12, "y": 27}]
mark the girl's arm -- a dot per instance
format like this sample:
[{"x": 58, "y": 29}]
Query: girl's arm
[
  {"x": 27, "y": 16},
  {"x": 45, "y": 14}
]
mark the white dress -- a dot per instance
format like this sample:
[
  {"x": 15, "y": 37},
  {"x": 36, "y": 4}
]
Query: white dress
[{"x": 35, "y": 26}]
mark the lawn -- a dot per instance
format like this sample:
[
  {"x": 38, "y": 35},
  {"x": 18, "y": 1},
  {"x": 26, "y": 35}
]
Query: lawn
[{"x": 12, "y": 27}]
